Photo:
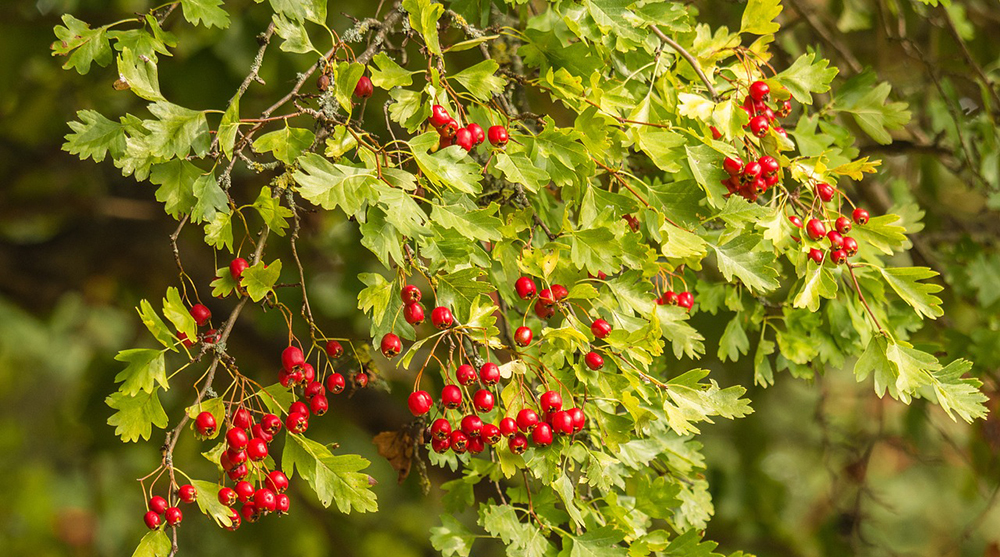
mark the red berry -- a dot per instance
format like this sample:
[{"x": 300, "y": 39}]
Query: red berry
[
  {"x": 850, "y": 246},
  {"x": 440, "y": 429},
  {"x": 152, "y": 520},
  {"x": 281, "y": 503},
  {"x": 449, "y": 129},
  {"x": 300, "y": 407},
  {"x": 784, "y": 109},
  {"x": 489, "y": 374},
  {"x": 439, "y": 116},
  {"x": 578, "y": 418},
  {"x": 543, "y": 310},
  {"x": 669, "y": 298},
  {"x": 550, "y": 401},
  {"x": 498, "y": 136},
  {"x": 250, "y": 513},
  {"x": 466, "y": 374},
  {"x": 236, "y": 456},
  {"x": 205, "y": 424},
  {"x": 173, "y": 516},
  {"x": 772, "y": 179},
  {"x": 507, "y": 427},
  {"x": 758, "y": 125},
  {"x": 816, "y": 229},
  {"x": 542, "y": 435},
  {"x": 472, "y": 425},
  {"x": 769, "y": 165},
  {"x": 559, "y": 292},
  {"x": 816, "y": 255},
  {"x": 525, "y": 288},
  {"x": 562, "y": 423},
  {"x": 187, "y": 493},
  {"x": 441, "y": 445},
  {"x": 236, "y": 268},
  {"x": 334, "y": 350},
  {"x": 313, "y": 389},
  {"x": 795, "y": 220},
  {"x": 420, "y": 402},
  {"x": 716, "y": 134},
  {"x": 441, "y": 318},
  {"x": 527, "y": 419},
  {"x": 413, "y": 314},
  {"x": 594, "y": 360},
  {"x": 184, "y": 338},
  {"x": 478, "y": 135},
  {"x": 451, "y": 396},
  {"x": 297, "y": 422},
  {"x": 860, "y": 216},
  {"x": 364, "y": 88},
  {"x": 319, "y": 405},
  {"x": 264, "y": 499},
  {"x": 476, "y": 445},
  {"x": 157, "y": 504},
  {"x": 244, "y": 491},
  {"x": 459, "y": 441},
  {"x": 257, "y": 449},
  {"x": 522, "y": 336},
  {"x": 202, "y": 315},
  {"x": 242, "y": 418},
  {"x": 391, "y": 346},
  {"x": 518, "y": 443},
  {"x": 843, "y": 225},
  {"x": 781, "y": 131},
  {"x": 336, "y": 383},
  {"x": 234, "y": 520},
  {"x": 824, "y": 191},
  {"x": 836, "y": 240},
  {"x": 732, "y": 166},
  {"x": 291, "y": 358},
  {"x": 838, "y": 256},
  {"x": 258, "y": 432},
  {"x": 685, "y": 300},
  {"x": 227, "y": 496},
  {"x": 410, "y": 294},
  {"x": 237, "y": 438},
  {"x": 759, "y": 90},
  {"x": 238, "y": 472},
  {"x": 361, "y": 379},
  {"x": 600, "y": 328},
  {"x": 482, "y": 400},
  {"x": 750, "y": 172},
  {"x": 491, "y": 434},
  {"x": 277, "y": 481},
  {"x": 464, "y": 139},
  {"x": 270, "y": 423},
  {"x": 633, "y": 223}
]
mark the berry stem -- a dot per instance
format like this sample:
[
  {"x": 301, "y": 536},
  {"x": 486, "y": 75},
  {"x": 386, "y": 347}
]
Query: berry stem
[{"x": 857, "y": 288}]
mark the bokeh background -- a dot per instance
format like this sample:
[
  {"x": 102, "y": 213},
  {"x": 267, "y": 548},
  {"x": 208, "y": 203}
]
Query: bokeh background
[{"x": 822, "y": 467}]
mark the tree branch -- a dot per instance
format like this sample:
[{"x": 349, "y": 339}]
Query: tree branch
[{"x": 691, "y": 60}]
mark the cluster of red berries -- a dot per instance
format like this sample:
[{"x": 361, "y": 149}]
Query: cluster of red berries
[
  {"x": 670, "y": 298},
  {"x": 841, "y": 245},
  {"x": 160, "y": 511},
  {"x": 750, "y": 180},
  {"x": 466, "y": 138},
  {"x": 546, "y": 302},
  {"x": 413, "y": 312},
  {"x": 202, "y": 316}
]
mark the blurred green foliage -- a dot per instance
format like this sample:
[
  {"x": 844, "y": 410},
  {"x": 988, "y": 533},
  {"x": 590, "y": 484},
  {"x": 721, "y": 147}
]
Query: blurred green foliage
[{"x": 819, "y": 469}]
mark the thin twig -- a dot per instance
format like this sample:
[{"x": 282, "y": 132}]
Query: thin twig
[{"x": 691, "y": 60}]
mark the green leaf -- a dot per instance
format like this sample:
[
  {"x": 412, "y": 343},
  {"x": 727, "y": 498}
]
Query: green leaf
[
  {"x": 87, "y": 45},
  {"x": 176, "y": 179},
  {"x": 223, "y": 285},
  {"x": 682, "y": 247},
  {"x": 141, "y": 75},
  {"x": 208, "y": 502},
  {"x": 983, "y": 271},
  {"x": 807, "y": 75},
  {"x": 277, "y": 398},
  {"x": 335, "y": 478},
  {"x": 211, "y": 200},
  {"x": 386, "y": 73},
  {"x": 706, "y": 170},
  {"x": 594, "y": 250},
  {"x": 448, "y": 168},
  {"x": 598, "y": 542},
  {"x": 866, "y": 101},
  {"x": 481, "y": 79},
  {"x": 881, "y": 234},
  {"x": 757, "y": 269},
  {"x": 312, "y": 10},
  {"x": 382, "y": 238},
  {"x": 94, "y": 136},
  {"x": 424, "y": 15},
  {"x": 334, "y": 185},
  {"x": 905, "y": 281},
  {"x": 176, "y": 311},
  {"x": 146, "y": 367},
  {"x": 476, "y": 224},
  {"x": 345, "y": 79},
  {"x": 154, "y": 544},
  {"x": 689, "y": 401},
  {"x": 136, "y": 415},
  {"x": 177, "y": 131},
  {"x": 518, "y": 168},
  {"x": 560, "y": 153},
  {"x": 295, "y": 38},
  {"x": 818, "y": 283},
  {"x": 205, "y": 11},
  {"x": 738, "y": 212},
  {"x": 219, "y": 232},
  {"x": 272, "y": 212},
  {"x": 733, "y": 341},
  {"x": 229, "y": 127},
  {"x": 287, "y": 144},
  {"x": 460, "y": 289},
  {"x": 145, "y": 43},
  {"x": 452, "y": 539},
  {"x": 686, "y": 340},
  {"x": 259, "y": 279},
  {"x": 521, "y": 538},
  {"x": 759, "y": 15},
  {"x": 155, "y": 325},
  {"x": 958, "y": 395}
]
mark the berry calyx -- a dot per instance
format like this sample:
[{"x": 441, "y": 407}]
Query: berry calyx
[
  {"x": 265, "y": 500},
  {"x": 173, "y": 516},
  {"x": 451, "y": 397},
  {"x": 157, "y": 504},
  {"x": 291, "y": 358},
  {"x": 270, "y": 423},
  {"x": 202, "y": 315},
  {"x": 759, "y": 90},
  {"x": 297, "y": 422},
  {"x": 542, "y": 435},
  {"x": 518, "y": 443},
  {"x": 336, "y": 383},
  {"x": 391, "y": 346},
  {"x": 319, "y": 405},
  {"x": 491, "y": 434},
  {"x": 364, "y": 88},
  {"x": 525, "y": 288},
  {"x": 497, "y": 136},
  {"x": 550, "y": 401},
  {"x": 543, "y": 310},
  {"x": 465, "y": 374},
  {"x": 152, "y": 520},
  {"x": 816, "y": 229},
  {"x": 420, "y": 402},
  {"x": 668, "y": 298},
  {"x": 227, "y": 496},
  {"x": 472, "y": 425},
  {"x": 860, "y": 216},
  {"x": 410, "y": 294},
  {"x": 449, "y": 129},
  {"x": 205, "y": 424},
  {"x": 244, "y": 491},
  {"x": 459, "y": 441},
  {"x": 489, "y": 374},
  {"x": 236, "y": 268},
  {"x": 522, "y": 336},
  {"x": 334, "y": 350},
  {"x": 281, "y": 503},
  {"x": 769, "y": 166},
  {"x": 440, "y": 429},
  {"x": 600, "y": 328},
  {"x": 594, "y": 360},
  {"x": 482, "y": 401},
  {"x": 187, "y": 493},
  {"x": 441, "y": 318},
  {"x": 361, "y": 379}
]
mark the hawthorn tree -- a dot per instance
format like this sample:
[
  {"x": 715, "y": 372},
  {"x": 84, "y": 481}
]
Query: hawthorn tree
[{"x": 558, "y": 187}]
